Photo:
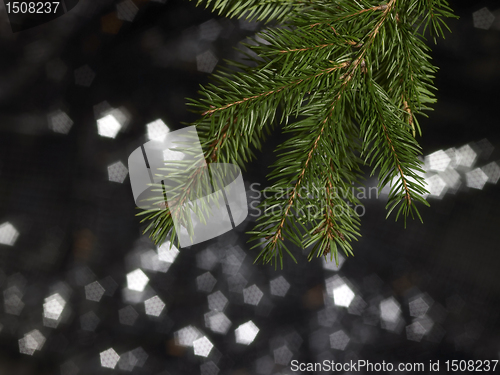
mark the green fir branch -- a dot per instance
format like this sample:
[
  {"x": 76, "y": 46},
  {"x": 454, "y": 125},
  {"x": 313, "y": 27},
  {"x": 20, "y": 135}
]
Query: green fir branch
[{"x": 346, "y": 82}]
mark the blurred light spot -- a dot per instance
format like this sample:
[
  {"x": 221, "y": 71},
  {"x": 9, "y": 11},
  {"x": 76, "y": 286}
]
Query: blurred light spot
[
  {"x": 127, "y": 361},
  {"x": 128, "y": 316},
  {"x": 282, "y": 355},
  {"x": 206, "y": 62},
  {"x": 167, "y": 252},
  {"x": 438, "y": 161},
  {"x": 202, "y": 346},
  {"x": 390, "y": 314},
  {"x": 492, "y": 170},
  {"x": 339, "y": 340},
  {"x": 53, "y": 306},
  {"x": 466, "y": 156},
  {"x": 154, "y": 306},
  {"x": 12, "y": 300},
  {"x": 137, "y": 280},
  {"x": 94, "y": 291},
  {"x": 218, "y": 322},
  {"x": 419, "y": 306},
  {"x": 126, "y": 10},
  {"x": 84, "y": 76},
  {"x": 252, "y": 295},
  {"x": 476, "y": 179},
  {"x": 389, "y": 310},
  {"x": 485, "y": 147},
  {"x": 31, "y": 342},
  {"x": 451, "y": 178},
  {"x": 108, "y": 126},
  {"x": 435, "y": 186},
  {"x": 121, "y": 115},
  {"x": 217, "y": 301},
  {"x": 8, "y": 234},
  {"x": 357, "y": 306},
  {"x": 59, "y": 122},
  {"x": 415, "y": 332},
  {"x": 206, "y": 282},
  {"x": 206, "y": 259},
  {"x": 483, "y": 18},
  {"x": 151, "y": 261},
  {"x": 89, "y": 321},
  {"x": 117, "y": 172},
  {"x": 246, "y": 333},
  {"x": 141, "y": 356},
  {"x": 186, "y": 336},
  {"x": 157, "y": 130},
  {"x": 232, "y": 260},
  {"x": 279, "y": 286},
  {"x": 109, "y": 358},
  {"x": 330, "y": 263},
  {"x": 343, "y": 295},
  {"x": 209, "y": 368}
]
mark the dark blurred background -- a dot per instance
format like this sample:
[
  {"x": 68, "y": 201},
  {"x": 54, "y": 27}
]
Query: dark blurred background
[{"x": 69, "y": 235}]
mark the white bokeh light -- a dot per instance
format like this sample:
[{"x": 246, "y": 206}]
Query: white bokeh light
[
  {"x": 202, "y": 346},
  {"x": 53, "y": 307},
  {"x": 109, "y": 358},
  {"x": 8, "y": 234},
  {"x": 343, "y": 295},
  {"x": 246, "y": 333},
  {"x": 186, "y": 336},
  {"x": 157, "y": 130},
  {"x": 117, "y": 172},
  {"x": 137, "y": 280},
  {"x": 108, "y": 126},
  {"x": 154, "y": 306}
]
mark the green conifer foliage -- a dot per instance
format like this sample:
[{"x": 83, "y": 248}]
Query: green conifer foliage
[{"x": 346, "y": 81}]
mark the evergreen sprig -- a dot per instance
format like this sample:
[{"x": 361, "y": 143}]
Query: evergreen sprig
[{"x": 349, "y": 79}]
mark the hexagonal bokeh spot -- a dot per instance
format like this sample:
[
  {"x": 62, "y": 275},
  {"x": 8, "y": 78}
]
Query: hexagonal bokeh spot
[
  {"x": 339, "y": 340},
  {"x": 8, "y": 234},
  {"x": 483, "y": 18},
  {"x": 109, "y": 358},
  {"x": 202, "y": 346},
  {"x": 117, "y": 172},
  {"x": 279, "y": 286},
  {"x": 252, "y": 295},
  {"x": 128, "y": 315},
  {"x": 94, "y": 291},
  {"x": 206, "y": 282},
  {"x": 246, "y": 333},
  {"x": 186, "y": 336},
  {"x": 217, "y": 301},
  {"x": 282, "y": 355},
  {"x": 137, "y": 280},
  {"x": 218, "y": 322},
  {"x": 154, "y": 306}
]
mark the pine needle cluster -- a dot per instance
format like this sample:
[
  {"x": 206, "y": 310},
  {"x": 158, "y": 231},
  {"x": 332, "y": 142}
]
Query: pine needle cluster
[{"x": 345, "y": 80}]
